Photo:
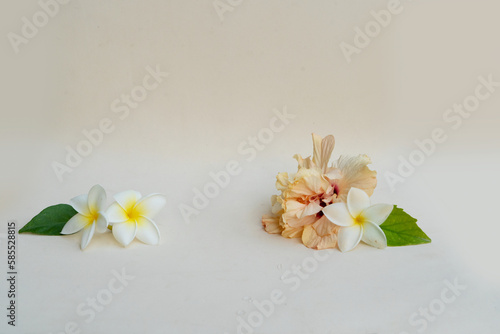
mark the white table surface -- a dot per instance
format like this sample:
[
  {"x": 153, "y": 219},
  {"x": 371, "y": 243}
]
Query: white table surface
[{"x": 225, "y": 78}]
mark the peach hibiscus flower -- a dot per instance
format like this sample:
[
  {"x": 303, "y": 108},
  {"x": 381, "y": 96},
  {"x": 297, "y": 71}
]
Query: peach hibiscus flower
[{"x": 297, "y": 211}]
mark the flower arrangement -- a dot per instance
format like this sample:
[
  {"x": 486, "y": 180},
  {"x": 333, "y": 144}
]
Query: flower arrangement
[
  {"x": 129, "y": 217},
  {"x": 328, "y": 205}
]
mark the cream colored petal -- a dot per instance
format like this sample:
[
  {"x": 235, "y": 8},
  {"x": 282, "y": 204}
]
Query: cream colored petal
[
  {"x": 76, "y": 223},
  {"x": 294, "y": 208},
  {"x": 333, "y": 173},
  {"x": 349, "y": 237},
  {"x": 128, "y": 199},
  {"x": 150, "y": 205},
  {"x": 125, "y": 232},
  {"x": 307, "y": 182},
  {"x": 96, "y": 199},
  {"x": 292, "y": 232},
  {"x": 80, "y": 204},
  {"x": 316, "y": 182},
  {"x": 277, "y": 204},
  {"x": 88, "y": 233},
  {"x": 374, "y": 236},
  {"x": 355, "y": 173},
  {"x": 357, "y": 201},
  {"x": 338, "y": 214},
  {"x": 322, "y": 150},
  {"x": 327, "y": 146},
  {"x": 293, "y": 221},
  {"x": 316, "y": 150},
  {"x": 311, "y": 240},
  {"x": 116, "y": 214},
  {"x": 320, "y": 235},
  {"x": 324, "y": 227},
  {"x": 377, "y": 213},
  {"x": 303, "y": 163},
  {"x": 311, "y": 209},
  {"x": 101, "y": 224},
  {"x": 294, "y": 211},
  {"x": 147, "y": 231},
  {"x": 330, "y": 196},
  {"x": 282, "y": 181},
  {"x": 271, "y": 224}
]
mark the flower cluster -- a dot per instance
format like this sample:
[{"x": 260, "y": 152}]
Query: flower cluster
[
  {"x": 324, "y": 204},
  {"x": 129, "y": 217}
]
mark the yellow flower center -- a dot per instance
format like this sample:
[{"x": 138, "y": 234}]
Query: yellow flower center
[
  {"x": 93, "y": 217},
  {"x": 133, "y": 213},
  {"x": 359, "y": 220}
]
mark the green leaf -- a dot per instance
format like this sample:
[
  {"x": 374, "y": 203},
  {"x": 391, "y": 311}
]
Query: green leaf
[
  {"x": 50, "y": 221},
  {"x": 401, "y": 229}
]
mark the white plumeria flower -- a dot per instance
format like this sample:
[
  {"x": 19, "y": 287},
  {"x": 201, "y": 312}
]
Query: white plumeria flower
[
  {"x": 90, "y": 216},
  {"x": 358, "y": 220},
  {"x": 130, "y": 217}
]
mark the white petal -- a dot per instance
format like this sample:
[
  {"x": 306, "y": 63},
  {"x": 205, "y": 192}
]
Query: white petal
[
  {"x": 116, "y": 214},
  {"x": 374, "y": 236},
  {"x": 147, "y": 231},
  {"x": 128, "y": 199},
  {"x": 338, "y": 214},
  {"x": 357, "y": 201},
  {"x": 150, "y": 205},
  {"x": 75, "y": 224},
  {"x": 96, "y": 199},
  {"x": 79, "y": 203},
  {"x": 377, "y": 213},
  {"x": 88, "y": 233},
  {"x": 125, "y": 232},
  {"x": 101, "y": 223},
  {"x": 349, "y": 237}
]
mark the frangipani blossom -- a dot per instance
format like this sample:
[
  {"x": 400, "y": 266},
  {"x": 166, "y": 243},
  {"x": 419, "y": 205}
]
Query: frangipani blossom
[
  {"x": 130, "y": 217},
  {"x": 90, "y": 216},
  {"x": 358, "y": 220}
]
